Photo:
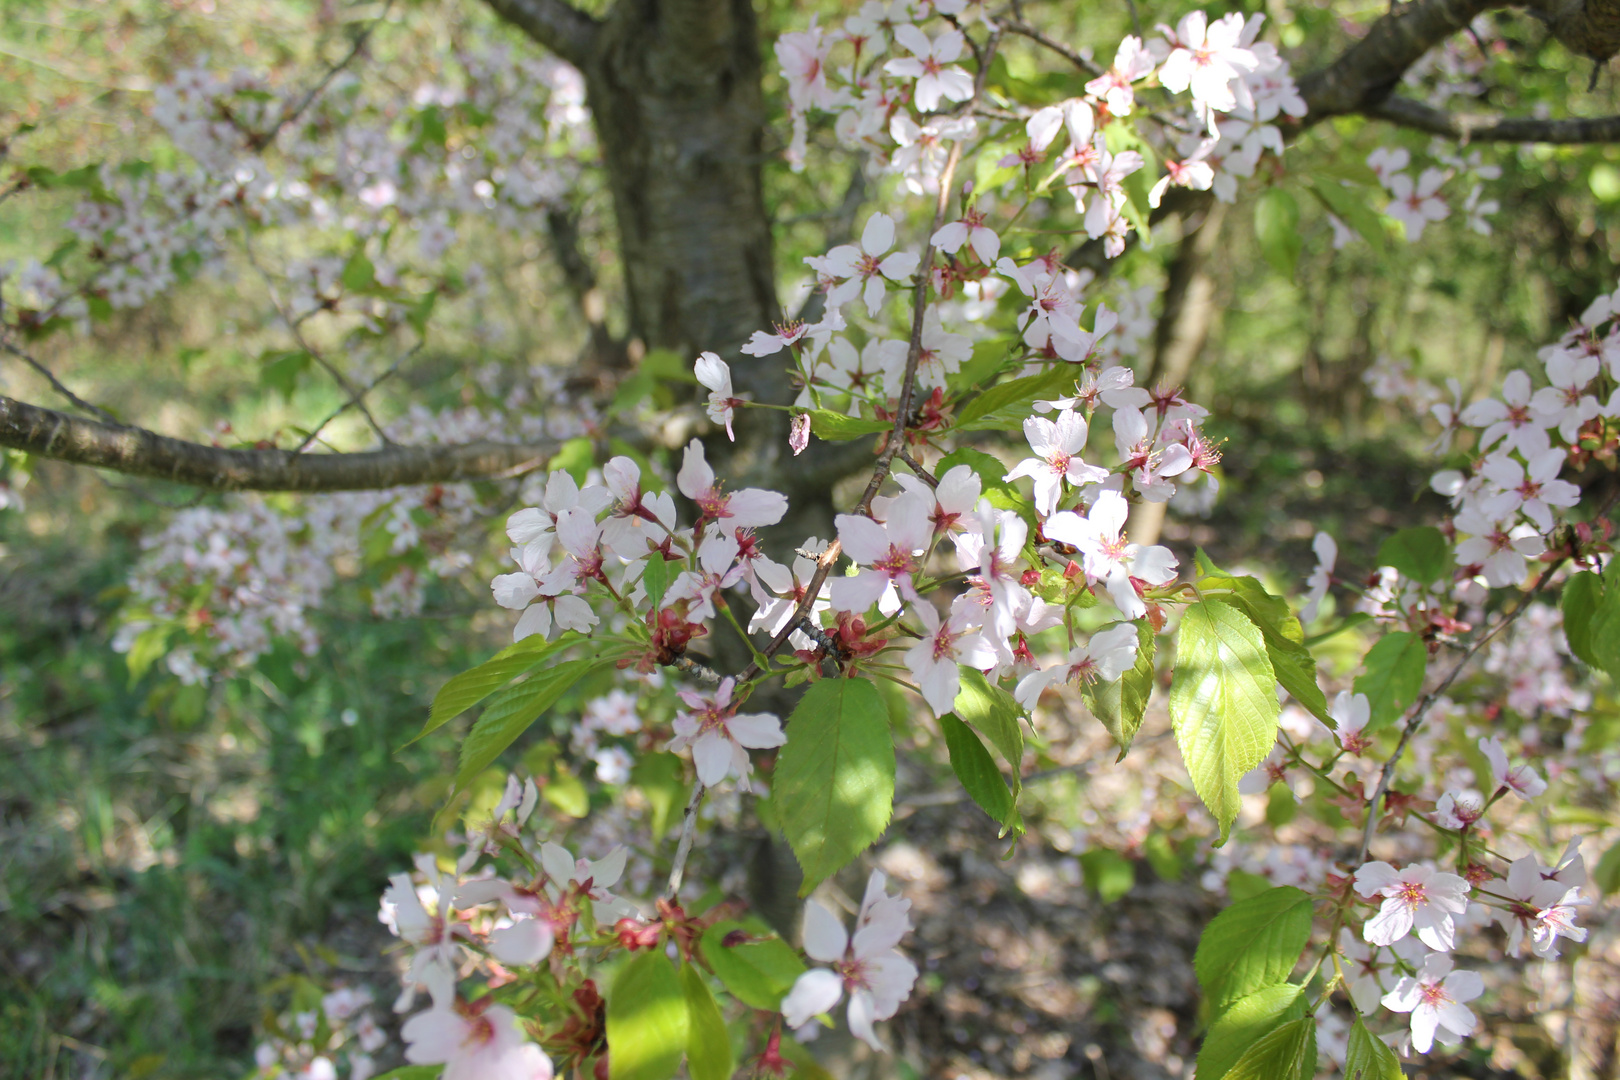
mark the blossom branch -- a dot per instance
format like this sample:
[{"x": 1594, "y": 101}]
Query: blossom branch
[
  {"x": 559, "y": 26},
  {"x": 683, "y": 850},
  {"x": 1465, "y": 128},
  {"x": 140, "y": 452},
  {"x": 56, "y": 384}
]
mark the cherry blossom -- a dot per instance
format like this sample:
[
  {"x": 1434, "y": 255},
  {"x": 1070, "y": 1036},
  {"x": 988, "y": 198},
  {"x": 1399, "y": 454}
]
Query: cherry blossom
[
  {"x": 1191, "y": 172},
  {"x": 969, "y": 229},
  {"x": 720, "y": 737},
  {"x": 1132, "y": 62},
  {"x": 931, "y": 64},
  {"x": 1057, "y": 445},
  {"x": 1108, "y": 556},
  {"x": 1499, "y": 548},
  {"x": 1417, "y": 898},
  {"x": 1434, "y": 997},
  {"x": 1564, "y": 404},
  {"x": 877, "y": 977},
  {"x": 1149, "y": 466},
  {"x": 534, "y": 529},
  {"x": 1415, "y": 205},
  {"x": 1514, "y": 418},
  {"x": 1207, "y": 60},
  {"x": 1107, "y": 656},
  {"x": 474, "y": 1042},
  {"x": 1351, "y": 712},
  {"x": 803, "y": 56},
  {"x": 1520, "y": 779},
  {"x": 946, "y": 643},
  {"x": 848, "y": 270},
  {"x": 788, "y": 589},
  {"x": 994, "y": 548},
  {"x": 593, "y": 879},
  {"x": 1369, "y": 969},
  {"x": 888, "y": 554},
  {"x": 1316, "y": 586},
  {"x": 715, "y": 374},
  {"x": 746, "y": 508}
]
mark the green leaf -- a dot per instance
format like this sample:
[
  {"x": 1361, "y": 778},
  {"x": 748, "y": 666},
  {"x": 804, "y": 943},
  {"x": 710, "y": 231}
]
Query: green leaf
[
  {"x": 1583, "y": 593},
  {"x": 1162, "y": 856},
  {"x": 464, "y": 691},
  {"x": 977, "y": 770},
  {"x": 660, "y": 777},
  {"x": 1354, "y": 619},
  {"x": 1223, "y": 704},
  {"x": 837, "y": 427},
  {"x": 1111, "y": 874},
  {"x": 281, "y": 371},
  {"x": 1121, "y": 704},
  {"x": 1421, "y": 553},
  {"x": 1276, "y": 227},
  {"x": 647, "y": 1020},
  {"x": 1351, "y": 207},
  {"x": 412, "y": 1072},
  {"x": 358, "y": 274},
  {"x": 655, "y": 576},
  {"x": 1606, "y": 875},
  {"x": 993, "y": 713},
  {"x": 1603, "y": 631},
  {"x": 1394, "y": 676},
  {"x": 1254, "y": 943},
  {"x": 575, "y": 457},
  {"x": 1245, "y": 1023},
  {"x": 708, "y": 1046},
  {"x": 1005, "y": 406},
  {"x": 1291, "y": 660},
  {"x": 757, "y": 970},
  {"x": 510, "y": 714},
  {"x": 835, "y": 776},
  {"x": 149, "y": 646},
  {"x": 1369, "y": 1057},
  {"x": 1288, "y": 1053}
]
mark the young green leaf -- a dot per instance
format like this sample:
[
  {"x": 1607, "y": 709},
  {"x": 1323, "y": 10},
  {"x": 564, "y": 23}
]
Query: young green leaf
[
  {"x": 1288, "y": 1053},
  {"x": 1004, "y": 406},
  {"x": 1244, "y": 1023},
  {"x": 1369, "y": 1057},
  {"x": 977, "y": 771},
  {"x": 1120, "y": 705},
  {"x": 758, "y": 970},
  {"x": 1350, "y": 207},
  {"x": 993, "y": 713},
  {"x": 647, "y": 1020},
  {"x": 464, "y": 691},
  {"x": 708, "y": 1046},
  {"x": 835, "y": 776},
  {"x": 1421, "y": 553},
  {"x": 1583, "y": 593},
  {"x": 511, "y": 713},
  {"x": 656, "y": 579},
  {"x": 1111, "y": 874},
  {"x": 837, "y": 427},
  {"x": 1276, "y": 227},
  {"x": 1285, "y": 638},
  {"x": 1394, "y": 676},
  {"x": 1223, "y": 703},
  {"x": 1254, "y": 943}
]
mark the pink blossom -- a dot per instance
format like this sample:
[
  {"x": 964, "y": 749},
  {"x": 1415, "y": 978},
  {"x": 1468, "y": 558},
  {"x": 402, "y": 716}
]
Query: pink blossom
[
  {"x": 1435, "y": 999},
  {"x": 931, "y": 65},
  {"x": 720, "y": 737},
  {"x": 747, "y": 508},
  {"x": 845, "y": 268},
  {"x": 1103, "y": 659},
  {"x": 474, "y": 1043},
  {"x": 946, "y": 643},
  {"x": 1418, "y": 897},
  {"x": 1058, "y": 445}
]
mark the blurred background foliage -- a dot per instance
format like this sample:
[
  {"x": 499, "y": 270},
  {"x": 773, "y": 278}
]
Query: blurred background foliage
[{"x": 167, "y": 852}]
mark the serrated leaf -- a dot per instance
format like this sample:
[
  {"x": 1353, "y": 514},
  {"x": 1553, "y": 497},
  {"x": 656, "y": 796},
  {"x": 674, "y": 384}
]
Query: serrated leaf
[
  {"x": 464, "y": 691},
  {"x": 835, "y": 776},
  {"x": 837, "y": 427},
  {"x": 757, "y": 971},
  {"x": 1010, "y": 402},
  {"x": 1254, "y": 943},
  {"x": 1291, "y": 660},
  {"x": 1121, "y": 704},
  {"x": 1368, "y": 1057},
  {"x": 510, "y": 714},
  {"x": 1223, "y": 703},
  {"x": 1421, "y": 553},
  {"x": 1394, "y": 676},
  {"x": 977, "y": 771},
  {"x": 655, "y": 577},
  {"x": 1603, "y": 630},
  {"x": 1582, "y": 594},
  {"x": 993, "y": 713},
  {"x": 1276, "y": 228},
  {"x": 1288, "y": 1053},
  {"x": 1245, "y": 1023},
  {"x": 647, "y": 1020},
  {"x": 708, "y": 1046}
]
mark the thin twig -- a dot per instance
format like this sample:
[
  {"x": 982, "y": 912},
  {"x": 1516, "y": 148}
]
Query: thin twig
[
  {"x": 917, "y": 467},
  {"x": 683, "y": 850},
  {"x": 355, "y": 398},
  {"x": 1040, "y": 38},
  {"x": 56, "y": 384},
  {"x": 1429, "y": 699},
  {"x": 691, "y": 667},
  {"x": 263, "y": 139}
]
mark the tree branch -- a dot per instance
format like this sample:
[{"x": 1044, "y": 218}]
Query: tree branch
[
  {"x": 555, "y": 24},
  {"x": 139, "y": 452},
  {"x": 1486, "y": 128}
]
